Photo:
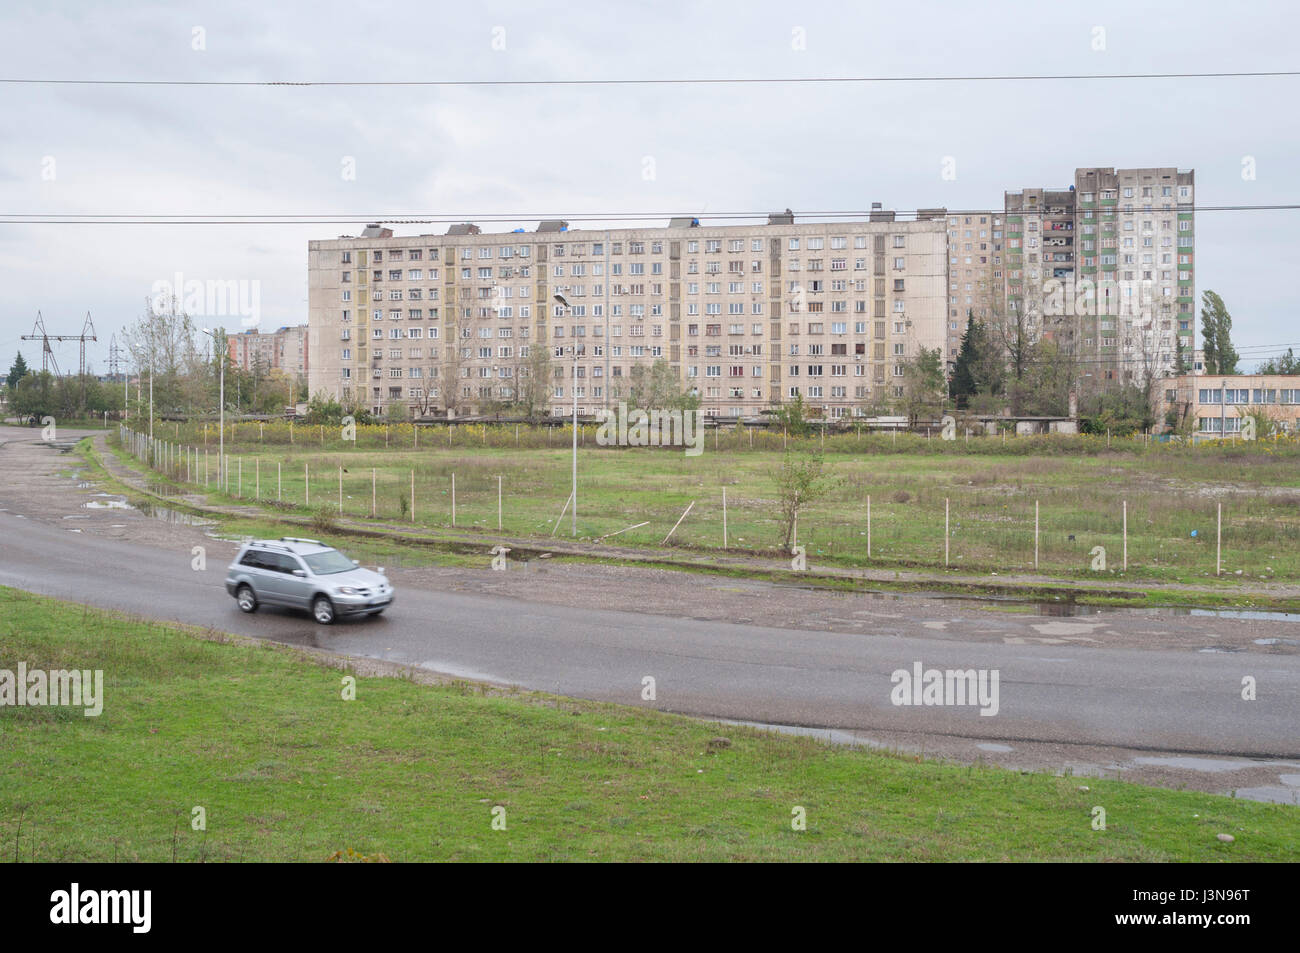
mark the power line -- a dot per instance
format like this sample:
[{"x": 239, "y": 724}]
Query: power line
[
  {"x": 426, "y": 218},
  {"x": 685, "y": 81}
]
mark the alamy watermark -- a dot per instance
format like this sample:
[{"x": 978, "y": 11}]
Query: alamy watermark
[
  {"x": 946, "y": 687},
  {"x": 652, "y": 428},
  {"x": 37, "y": 688},
  {"x": 231, "y": 297},
  {"x": 76, "y": 905}
]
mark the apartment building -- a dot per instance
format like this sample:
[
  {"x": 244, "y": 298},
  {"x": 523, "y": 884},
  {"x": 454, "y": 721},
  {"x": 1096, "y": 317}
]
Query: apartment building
[
  {"x": 1217, "y": 404},
  {"x": 1137, "y": 258},
  {"x": 746, "y": 315},
  {"x": 1040, "y": 252},
  {"x": 286, "y": 349},
  {"x": 975, "y": 273},
  {"x": 1107, "y": 268}
]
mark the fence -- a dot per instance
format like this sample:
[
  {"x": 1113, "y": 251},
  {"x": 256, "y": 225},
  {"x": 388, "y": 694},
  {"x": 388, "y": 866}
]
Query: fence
[{"x": 659, "y": 499}]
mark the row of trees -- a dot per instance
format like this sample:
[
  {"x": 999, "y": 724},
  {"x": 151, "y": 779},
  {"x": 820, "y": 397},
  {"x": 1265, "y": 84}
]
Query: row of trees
[
  {"x": 1008, "y": 365},
  {"x": 184, "y": 365}
]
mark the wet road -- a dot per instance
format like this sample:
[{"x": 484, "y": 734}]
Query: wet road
[{"x": 1155, "y": 700}]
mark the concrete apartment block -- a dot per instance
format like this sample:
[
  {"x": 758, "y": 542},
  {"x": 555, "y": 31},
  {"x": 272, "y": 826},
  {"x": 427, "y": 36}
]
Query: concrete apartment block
[
  {"x": 1106, "y": 267},
  {"x": 286, "y": 349},
  {"x": 746, "y": 315}
]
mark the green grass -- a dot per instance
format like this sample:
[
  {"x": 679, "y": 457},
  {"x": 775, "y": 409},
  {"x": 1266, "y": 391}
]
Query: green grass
[
  {"x": 285, "y": 769},
  {"x": 429, "y": 544},
  {"x": 990, "y": 489}
]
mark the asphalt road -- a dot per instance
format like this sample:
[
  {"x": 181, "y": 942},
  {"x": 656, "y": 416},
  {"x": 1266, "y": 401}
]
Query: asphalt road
[{"x": 1154, "y": 700}]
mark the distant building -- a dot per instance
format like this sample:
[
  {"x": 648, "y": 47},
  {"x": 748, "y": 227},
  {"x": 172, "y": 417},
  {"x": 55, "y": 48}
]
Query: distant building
[
  {"x": 1216, "y": 404},
  {"x": 975, "y": 274},
  {"x": 745, "y": 315},
  {"x": 285, "y": 350},
  {"x": 1106, "y": 268}
]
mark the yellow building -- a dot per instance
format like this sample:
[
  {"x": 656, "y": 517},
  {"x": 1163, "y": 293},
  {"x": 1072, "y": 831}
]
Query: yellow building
[{"x": 1218, "y": 404}]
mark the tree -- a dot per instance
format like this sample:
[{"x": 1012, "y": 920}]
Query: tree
[
  {"x": 1048, "y": 379},
  {"x": 1287, "y": 364},
  {"x": 455, "y": 351},
  {"x": 979, "y": 369},
  {"x": 923, "y": 385},
  {"x": 1216, "y": 335},
  {"x": 1181, "y": 365},
  {"x": 163, "y": 347},
  {"x": 533, "y": 380},
  {"x": 35, "y": 396},
  {"x": 324, "y": 409},
  {"x": 17, "y": 371},
  {"x": 793, "y": 418},
  {"x": 800, "y": 481},
  {"x": 658, "y": 387},
  {"x": 1016, "y": 336}
]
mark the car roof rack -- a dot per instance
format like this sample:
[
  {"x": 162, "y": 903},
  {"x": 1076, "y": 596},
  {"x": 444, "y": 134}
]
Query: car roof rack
[{"x": 299, "y": 539}]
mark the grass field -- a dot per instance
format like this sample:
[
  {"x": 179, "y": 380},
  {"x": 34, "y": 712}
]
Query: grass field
[
  {"x": 285, "y": 769},
  {"x": 989, "y": 489}
]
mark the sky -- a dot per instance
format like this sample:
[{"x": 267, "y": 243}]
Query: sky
[{"x": 350, "y": 153}]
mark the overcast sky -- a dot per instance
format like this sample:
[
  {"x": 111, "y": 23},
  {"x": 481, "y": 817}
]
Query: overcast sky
[{"x": 572, "y": 150}]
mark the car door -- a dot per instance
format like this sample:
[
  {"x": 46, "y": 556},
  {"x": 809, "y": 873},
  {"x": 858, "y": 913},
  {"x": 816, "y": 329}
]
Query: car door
[
  {"x": 296, "y": 590},
  {"x": 264, "y": 574}
]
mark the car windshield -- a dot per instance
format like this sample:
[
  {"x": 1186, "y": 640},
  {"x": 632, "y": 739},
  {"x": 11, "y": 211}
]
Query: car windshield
[{"x": 328, "y": 562}]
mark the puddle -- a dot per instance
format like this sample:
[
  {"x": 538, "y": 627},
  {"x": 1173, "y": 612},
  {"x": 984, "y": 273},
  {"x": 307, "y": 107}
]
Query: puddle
[
  {"x": 1276, "y": 642},
  {"x": 163, "y": 513},
  {"x": 1209, "y": 765},
  {"x": 1264, "y": 614},
  {"x": 168, "y": 515},
  {"x": 164, "y": 489},
  {"x": 837, "y": 736},
  {"x": 990, "y": 746}
]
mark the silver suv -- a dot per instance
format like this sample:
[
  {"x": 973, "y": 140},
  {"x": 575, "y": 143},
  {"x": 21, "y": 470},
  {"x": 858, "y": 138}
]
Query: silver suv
[{"x": 305, "y": 574}]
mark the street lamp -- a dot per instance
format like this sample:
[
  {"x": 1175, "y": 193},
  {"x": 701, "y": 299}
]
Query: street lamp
[
  {"x": 221, "y": 446},
  {"x": 1223, "y": 410},
  {"x": 563, "y": 302}
]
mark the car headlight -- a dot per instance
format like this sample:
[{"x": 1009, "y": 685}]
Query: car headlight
[{"x": 346, "y": 591}]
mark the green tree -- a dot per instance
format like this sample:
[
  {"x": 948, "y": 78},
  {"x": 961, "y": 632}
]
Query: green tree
[
  {"x": 1287, "y": 363},
  {"x": 923, "y": 385},
  {"x": 800, "y": 481},
  {"x": 35, "y": 396},
  {"x": 533, "y": 380},
  {"x": 324, "y": 409},
  {"x": 17, "y": 371},
  {"x": 979, "y": 369},
  {"x": 658, "y": 387},
  {"x": 1047, "y": 381},
  {"x": 793, "y": 417},
  {"x": 1216, "y": 335}
]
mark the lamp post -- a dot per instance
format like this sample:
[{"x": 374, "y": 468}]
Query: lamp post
[
  {"x": 1223, "y": 410},
  {"x": 573, "y": 384},
  {"x": 221, "y": 446}
]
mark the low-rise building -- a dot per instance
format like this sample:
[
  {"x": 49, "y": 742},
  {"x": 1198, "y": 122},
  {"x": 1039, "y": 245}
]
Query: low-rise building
[{"x": 1216, "y": 404}]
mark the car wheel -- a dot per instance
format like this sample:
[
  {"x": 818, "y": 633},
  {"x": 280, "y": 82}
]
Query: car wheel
[
  {"x": 323, "y": 610},
  {"x": 246, "y": 599}
]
